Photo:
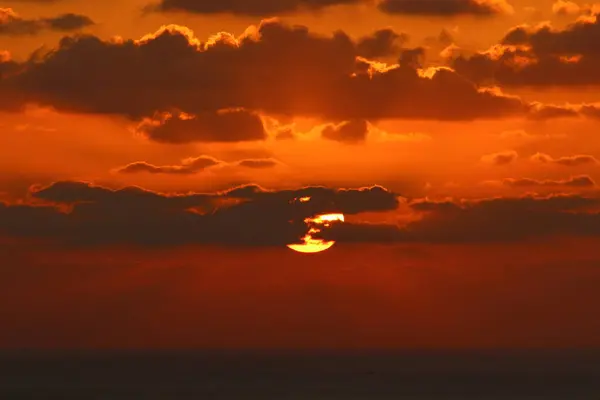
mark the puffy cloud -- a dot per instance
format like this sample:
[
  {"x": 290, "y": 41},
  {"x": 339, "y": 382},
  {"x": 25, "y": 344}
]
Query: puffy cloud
[
  {"x": 540, "y": 55},
  {"x": 502, "y": 158},
  {"x": 569, "y": 161},
  {"x": 565, "y": 7},
  {"x": 569, "y": 8},
  {"x": 354, "y": 131},
  {"x": 382, "y": 43},
  {"x": 446, "y": 7},
  {"x": 274, "y": 68},
  {"x": 12, "y": 24},
  {"x": 245, "y": 7}
]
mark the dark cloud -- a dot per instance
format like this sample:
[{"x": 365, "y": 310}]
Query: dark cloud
[
  {"x": 7, "y": 68},
  {"x": 228, "y": 125},
  {"x": 508, "y": 219},
  {"x": 11, "y": 24},
  {"x": 590, "y": 111},
  {"x": 413, "y": 58},
  {"x": 569, "y": 161},
  {"x": 542, "y": 56},
  {"x": 445, "y": 7},
  {"x": 382, "y": 43},
  {"x": 502, "y": 158},
  {"x": 251, "y": 215},
  {"x": 440, "y": 47},
  {"x": 253, "y": 8},
  {"x": 493, "y": 220},
  {"x": 354, "y": 131},
  {"x": 582, "y": 181},
  {"x": 69, "y": 22},
  {"x": 277, "y": 69},
  {"x": 247, "y": 215}
]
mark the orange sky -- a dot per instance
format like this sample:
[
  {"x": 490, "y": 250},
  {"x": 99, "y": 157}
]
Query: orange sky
[{"x": 486, "y": 163}]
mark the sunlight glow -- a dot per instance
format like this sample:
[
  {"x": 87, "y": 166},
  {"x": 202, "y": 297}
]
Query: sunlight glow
[{"x": 310, "y": 244}]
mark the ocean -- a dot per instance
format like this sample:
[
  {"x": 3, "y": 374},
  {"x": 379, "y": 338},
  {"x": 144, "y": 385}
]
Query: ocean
[{"x": 414, "y": 375}]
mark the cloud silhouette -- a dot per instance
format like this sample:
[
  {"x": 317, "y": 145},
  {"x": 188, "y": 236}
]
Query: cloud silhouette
[
  {"x": 11, "y": 24},
  {"x": 228, "y": 125},
  {"x": 275, "y": 69},
  {"x": 247, "y": 215},
  {"x": 253, "y": 8},
  {"x": 445, "y": 8},
  {"x": 492, "y": 220},
  {"x": 539, "y": 56},
  {"x": 80, "y": 213},
  {"x": 354, "y": 131}
]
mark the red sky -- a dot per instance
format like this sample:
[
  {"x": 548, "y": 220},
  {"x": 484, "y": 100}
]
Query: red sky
[{"x": 151, "y": 153}]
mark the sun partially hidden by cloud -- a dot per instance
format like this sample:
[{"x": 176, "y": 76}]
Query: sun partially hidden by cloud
[{"x": 310, "y": 244}]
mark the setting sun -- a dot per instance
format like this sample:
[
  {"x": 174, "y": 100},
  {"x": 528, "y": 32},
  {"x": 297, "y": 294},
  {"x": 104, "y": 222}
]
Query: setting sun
[{"x": 312, "y": 245}]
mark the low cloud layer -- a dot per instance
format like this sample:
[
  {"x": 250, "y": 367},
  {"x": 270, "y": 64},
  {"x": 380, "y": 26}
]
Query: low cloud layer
[
  {"x": 82, "y": 214},
  {"x": 247, "y": 215},
  {"x": 493, "y": 220}
]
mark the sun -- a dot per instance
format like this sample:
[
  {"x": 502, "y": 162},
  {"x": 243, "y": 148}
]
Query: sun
[{"x": 309, "y": 243}]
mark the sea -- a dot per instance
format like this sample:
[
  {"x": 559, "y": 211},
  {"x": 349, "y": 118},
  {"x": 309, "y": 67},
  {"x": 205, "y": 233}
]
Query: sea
[{"x": 301, "y": 375}]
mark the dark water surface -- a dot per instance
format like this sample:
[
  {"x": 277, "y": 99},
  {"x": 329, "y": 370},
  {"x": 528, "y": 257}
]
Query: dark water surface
[{"x": 564, "y": 375}]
